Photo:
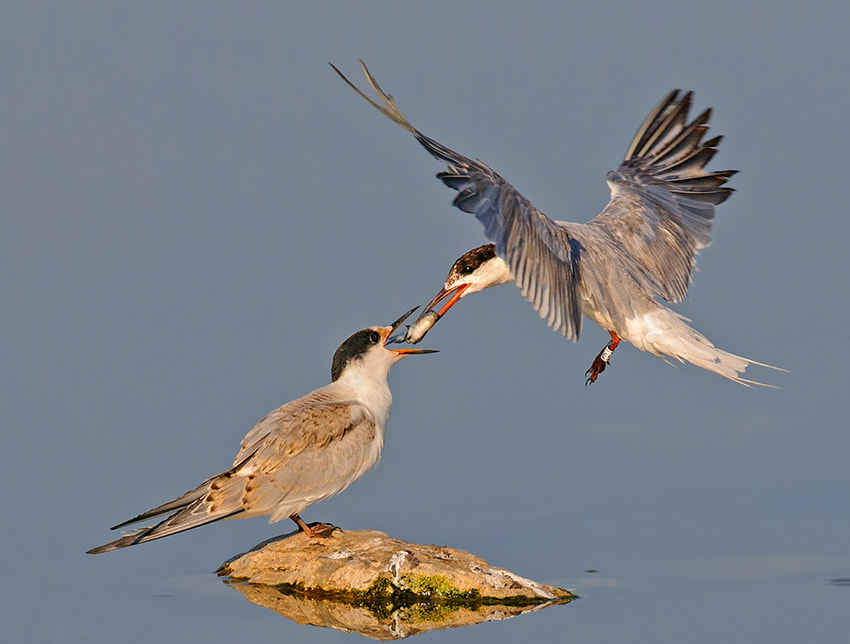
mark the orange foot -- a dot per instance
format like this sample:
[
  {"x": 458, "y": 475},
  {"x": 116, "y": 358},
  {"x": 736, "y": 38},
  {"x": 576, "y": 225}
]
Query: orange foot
[
  {"x": 320, "y": 530},
  {"x": 315, "y": 530}
]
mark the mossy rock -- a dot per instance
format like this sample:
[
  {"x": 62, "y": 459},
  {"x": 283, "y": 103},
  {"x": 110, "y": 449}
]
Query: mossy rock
[{"x": 381, "y": 587}]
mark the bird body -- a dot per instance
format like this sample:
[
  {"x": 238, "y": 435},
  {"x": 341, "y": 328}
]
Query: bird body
[
  {"x": 613, "y": 269},
  {"x": 658, "y": 330},
  {"x": 301, "y": 453}
]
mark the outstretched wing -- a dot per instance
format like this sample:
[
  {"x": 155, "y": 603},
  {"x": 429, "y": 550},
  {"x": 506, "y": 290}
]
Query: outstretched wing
[
  {"x": 662, "y": 199},
  {"x": 543, "y": 257},
  {"x": 642, "y": 245}
]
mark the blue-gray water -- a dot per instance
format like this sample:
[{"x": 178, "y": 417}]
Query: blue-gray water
[{"x": 196, "y": 212}]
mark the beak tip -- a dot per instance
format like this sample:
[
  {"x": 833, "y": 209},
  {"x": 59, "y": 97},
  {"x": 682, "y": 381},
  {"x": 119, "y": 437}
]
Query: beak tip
[
  {"x": 395, "y": 325},
  {"x": 401, "y": 353}
]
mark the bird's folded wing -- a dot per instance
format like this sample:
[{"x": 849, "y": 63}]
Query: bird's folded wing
[
  {"x": 307, "y": 454},
  {"x": 311, "y": 421}
]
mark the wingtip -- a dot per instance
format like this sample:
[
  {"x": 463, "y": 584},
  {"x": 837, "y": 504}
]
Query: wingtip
[
  {"x": 123, "y": 542},
  {"x": 98, "y": 550}
]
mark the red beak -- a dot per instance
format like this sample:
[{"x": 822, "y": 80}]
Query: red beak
[{"x": 458, "y": 292}]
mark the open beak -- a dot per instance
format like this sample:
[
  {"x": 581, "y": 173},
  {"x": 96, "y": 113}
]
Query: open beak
[
  {"x": 391, "y": 338},
  {"x": 429, "y": 316}
]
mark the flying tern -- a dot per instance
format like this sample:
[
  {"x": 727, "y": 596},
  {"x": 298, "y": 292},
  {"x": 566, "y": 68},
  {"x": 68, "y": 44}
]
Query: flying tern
[
  {"x": 301, "y": 453},
  {"x": 613, "y": 269}
]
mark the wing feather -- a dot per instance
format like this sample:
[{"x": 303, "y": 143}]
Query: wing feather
[
  {"x": 642, "y": 245},
  {"x": 542, "y": 256},
  {"x": 668, "y": 116},
  {"x": 302, "y": 452},
  {"x": 662, "y": 201}
]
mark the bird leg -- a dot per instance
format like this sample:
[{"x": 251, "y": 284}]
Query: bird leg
[
  {"x": 320, "y": 530},
  {"x": 601, "y": 361}
]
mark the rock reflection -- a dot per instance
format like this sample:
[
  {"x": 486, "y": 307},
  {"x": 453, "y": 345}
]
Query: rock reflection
[{"x": 379, "y": 587}]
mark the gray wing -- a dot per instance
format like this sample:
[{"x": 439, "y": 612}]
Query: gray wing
[
  {"x": 662, "y": 201},
  {"x": 642, "y": 245},
  {"x": 302, "y": 452},
  {"x": 310, "y": 453},
  {"x": 542, "y": 255}
]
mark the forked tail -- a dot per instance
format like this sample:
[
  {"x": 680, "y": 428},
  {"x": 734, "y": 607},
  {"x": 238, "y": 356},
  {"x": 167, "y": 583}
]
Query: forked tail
[{"x": 668, "y": 334}]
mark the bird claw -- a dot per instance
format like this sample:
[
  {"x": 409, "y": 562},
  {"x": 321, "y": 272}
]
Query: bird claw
[
  {"x": 596, "y": 368},
  {"x": 594, "y": 371},
  {"x": 321, "y": 530}
]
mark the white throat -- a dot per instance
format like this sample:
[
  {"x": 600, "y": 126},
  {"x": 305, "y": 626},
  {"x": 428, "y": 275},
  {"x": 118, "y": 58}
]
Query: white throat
[{"x": 366, "y": 379}]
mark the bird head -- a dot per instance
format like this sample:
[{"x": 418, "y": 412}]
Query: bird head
[
  {"x": 474, "y": 271},
  {"x": 366, "y": 350}
]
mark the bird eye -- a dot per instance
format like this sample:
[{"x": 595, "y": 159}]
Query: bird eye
[
  {"x": 374, "y": 338},
  {"x": 467, "y": 270}
]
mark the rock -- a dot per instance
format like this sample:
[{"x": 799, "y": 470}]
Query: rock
[{"x": 381, "y": 587}]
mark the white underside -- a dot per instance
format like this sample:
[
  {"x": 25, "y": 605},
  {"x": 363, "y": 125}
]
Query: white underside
[{"x": 666, "y": 333}]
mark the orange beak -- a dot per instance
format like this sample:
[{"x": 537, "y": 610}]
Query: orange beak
[{"x": 457, "y": 292}]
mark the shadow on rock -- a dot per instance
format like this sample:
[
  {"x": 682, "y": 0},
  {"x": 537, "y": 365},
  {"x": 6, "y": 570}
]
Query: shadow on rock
[{"x": 383, "y": 588}]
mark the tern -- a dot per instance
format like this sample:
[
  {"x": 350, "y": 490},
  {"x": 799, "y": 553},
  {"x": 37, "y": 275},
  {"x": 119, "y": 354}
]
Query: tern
[
  {"x": 613, "y": 269},
  {"x": 299, "y": 454}
]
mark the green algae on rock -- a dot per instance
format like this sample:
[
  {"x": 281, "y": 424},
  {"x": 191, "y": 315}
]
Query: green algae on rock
[{"x": 380, "y": 587}]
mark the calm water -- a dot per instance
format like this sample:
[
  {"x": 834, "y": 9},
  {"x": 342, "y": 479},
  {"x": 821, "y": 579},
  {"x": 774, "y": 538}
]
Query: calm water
[{"x": 196, "y": 212}]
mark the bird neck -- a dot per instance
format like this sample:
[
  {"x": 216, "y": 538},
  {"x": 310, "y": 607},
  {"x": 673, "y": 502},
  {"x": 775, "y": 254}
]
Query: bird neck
[{"x": 371, "y": 390}]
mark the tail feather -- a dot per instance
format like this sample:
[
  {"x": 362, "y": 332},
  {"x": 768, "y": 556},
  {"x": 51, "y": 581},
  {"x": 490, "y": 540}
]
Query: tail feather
[
  {"x": 171, "y": 525},
  {"x": 177, "y": 504},
  {"x": 668, "y": 334},
  {"x": 215, "y": 499}
]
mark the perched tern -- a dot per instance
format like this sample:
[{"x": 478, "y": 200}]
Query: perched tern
[
  {"x": 641, "y": 247},
  {"x": 299, "y": 454}
]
